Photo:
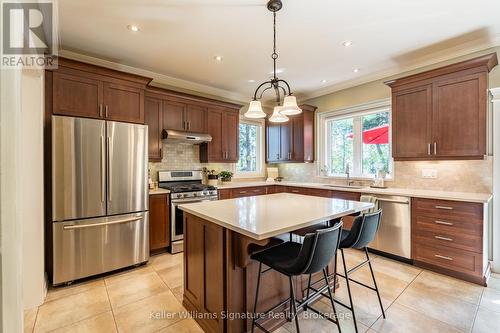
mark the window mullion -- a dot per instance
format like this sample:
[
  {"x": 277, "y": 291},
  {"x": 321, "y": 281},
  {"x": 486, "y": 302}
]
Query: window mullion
[{"x": 357, "y": 147}]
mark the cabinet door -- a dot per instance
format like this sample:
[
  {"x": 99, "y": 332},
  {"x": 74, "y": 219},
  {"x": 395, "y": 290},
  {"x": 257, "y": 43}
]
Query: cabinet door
[
  {"x": 123, "y": 103},
  {"x": 231, "y": 132},
  {"x": 272, "y": 142},
  {"x": 76, "y": 96},
  {"x": 459, "y": 116},
  {"x": 308, "y": 136},
  {"x": 196, "y": 120},
  {"x": 412, "y": 123},
  {"x": 159, "y": 217},
  {"x": 297, "y": 137},
  {"x": 286, "y": 141},
  {"x": 173, "y": 116},
  {"x": 153, "y": 118},
  {"x": 215, "y": 129}
]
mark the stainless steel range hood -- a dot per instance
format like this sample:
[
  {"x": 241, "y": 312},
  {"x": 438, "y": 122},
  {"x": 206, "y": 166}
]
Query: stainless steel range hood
[{"x": 190, "y": 137}]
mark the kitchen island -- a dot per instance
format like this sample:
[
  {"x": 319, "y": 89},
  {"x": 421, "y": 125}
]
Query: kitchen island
[{"x": 219, "y": 236}]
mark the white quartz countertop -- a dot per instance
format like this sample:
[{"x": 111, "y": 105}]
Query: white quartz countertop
[
  {"x": 158, "y": 191},
  {"x": 415, "y": 193},
  {"x": 266, "y": 216}
]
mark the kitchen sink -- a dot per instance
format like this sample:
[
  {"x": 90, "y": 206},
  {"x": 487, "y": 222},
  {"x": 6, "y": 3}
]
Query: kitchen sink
[{"x": 345, "y": 186}]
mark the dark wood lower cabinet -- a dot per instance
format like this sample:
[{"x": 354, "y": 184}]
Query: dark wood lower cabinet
[{"x": 159, "y": 221}]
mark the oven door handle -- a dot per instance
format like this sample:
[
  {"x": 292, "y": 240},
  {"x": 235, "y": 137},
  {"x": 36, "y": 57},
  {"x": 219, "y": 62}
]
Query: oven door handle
[{"x": 176, "y": 203}]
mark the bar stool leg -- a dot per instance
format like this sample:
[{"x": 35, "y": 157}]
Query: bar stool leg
[
  {"x": 294, "y": 306},
  {"x": 256, "y": 298},
  {"x": 349, "y": 291},
  {"x": 375, "y": 283},
  {"x": 331, "y": 299}
]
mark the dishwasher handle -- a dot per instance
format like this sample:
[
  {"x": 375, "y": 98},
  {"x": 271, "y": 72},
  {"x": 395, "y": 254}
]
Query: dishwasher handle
[{"x": 403, "y": 202}]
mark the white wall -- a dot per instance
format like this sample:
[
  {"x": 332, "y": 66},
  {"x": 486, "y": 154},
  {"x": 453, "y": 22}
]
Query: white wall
[
  {"x": 31, "y": 186},
  {"x": 496, "y": 181}
]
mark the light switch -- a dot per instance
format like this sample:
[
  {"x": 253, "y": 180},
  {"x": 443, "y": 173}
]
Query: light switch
[{"x": 429, "y": 173}]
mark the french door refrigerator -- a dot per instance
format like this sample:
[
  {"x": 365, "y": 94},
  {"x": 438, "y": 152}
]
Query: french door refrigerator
[{"x": 99, "y": 196}]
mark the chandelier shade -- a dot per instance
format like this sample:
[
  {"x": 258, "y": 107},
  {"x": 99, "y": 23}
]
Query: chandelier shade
[
  {"x": 255, "y": 110},
  {"x": 277, "y": 117},
  {"x": 290, "y": 106}
]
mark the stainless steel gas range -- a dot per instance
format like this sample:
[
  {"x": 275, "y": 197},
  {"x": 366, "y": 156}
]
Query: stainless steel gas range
[{"x": 185, "y": 187}]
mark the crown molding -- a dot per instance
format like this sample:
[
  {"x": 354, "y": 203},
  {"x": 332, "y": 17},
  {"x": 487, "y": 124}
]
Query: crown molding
[
  {"x": 159, "y": 80},
  {"x": 450, "y": 54}
]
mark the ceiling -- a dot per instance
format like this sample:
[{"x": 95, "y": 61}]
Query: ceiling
[{"x": 180, "y": 38}]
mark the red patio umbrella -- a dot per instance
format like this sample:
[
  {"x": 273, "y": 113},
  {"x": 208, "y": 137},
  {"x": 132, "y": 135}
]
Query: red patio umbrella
[{"x": 376, "y": 135}]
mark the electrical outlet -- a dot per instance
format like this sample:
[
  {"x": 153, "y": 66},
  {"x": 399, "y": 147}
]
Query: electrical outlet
[{"x": 429, "y": 173}]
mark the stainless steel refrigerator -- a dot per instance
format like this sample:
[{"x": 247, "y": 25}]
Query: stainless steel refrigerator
[{"x": 99, "y": 196}]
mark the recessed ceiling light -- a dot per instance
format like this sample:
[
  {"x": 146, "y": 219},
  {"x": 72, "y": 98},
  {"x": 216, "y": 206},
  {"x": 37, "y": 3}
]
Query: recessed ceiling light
[
  {"x": 251, "y": 81},
  {"x": 218, "y": 58},
  {"x": 324, "y": 81},
  {"x": 347, "y": 43},
  {"x": 133, "y": 27},
  {"x": 355, "y": 70}
]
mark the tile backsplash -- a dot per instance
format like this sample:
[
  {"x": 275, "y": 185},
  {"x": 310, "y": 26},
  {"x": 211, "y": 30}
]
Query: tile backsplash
[
  {"x": 183, "y": 156},
  {"x": 459, "y": 176}
]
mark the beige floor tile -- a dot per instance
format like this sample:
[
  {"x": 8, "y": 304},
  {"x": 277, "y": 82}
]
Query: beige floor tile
[
  {"x": 63, "y": 291},
  {"x": 438, "y": 283},
  {"x": 399, "y": 318},
  {"x": 173, "y": 276},
  {"x": 140, "y": 316},
  {"x": 71, "y": 309},
  {"x": 494, "y": 282},
  {"x": 451, "y": 310},
  {"x": 166, "y": 260},
  {"x": 178, "y": 293},
  {"x": 487, "y": 321},
  {"x": 396, "y": 269},
  {"x": 491, "y": 299},
  {"x": 29, "y": 319},
  {"x": 183, "y": 326},
  {"x": 103, "y": 323},
  {"x": 128, "y": 274},
  {"x": 125, "y": 291}
]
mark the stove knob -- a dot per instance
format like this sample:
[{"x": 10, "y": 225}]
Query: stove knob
[
  {"x": 203, "y": 193},
  {"x": 195, "y": 194},
  {"x": 185, "y": 195},
  {"x": 179, "y": 195}
]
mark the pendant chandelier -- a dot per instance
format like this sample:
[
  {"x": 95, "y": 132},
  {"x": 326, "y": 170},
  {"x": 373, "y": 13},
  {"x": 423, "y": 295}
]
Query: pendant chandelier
[{"x": 289, "y": 106}]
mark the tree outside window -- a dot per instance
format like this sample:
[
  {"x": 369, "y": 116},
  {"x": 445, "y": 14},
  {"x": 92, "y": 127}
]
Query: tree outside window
[{"x": 250, "y": 160}]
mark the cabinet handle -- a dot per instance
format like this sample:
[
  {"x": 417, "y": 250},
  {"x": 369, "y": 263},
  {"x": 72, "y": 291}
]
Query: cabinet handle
[
  {"x": 188, "y": 124},
  {"x": 444, "y": 207},
  {"x": 435, "y": 148},
  {"x": 443, "y": 222},
  {"x": 100, "y": 110},
  {"x": 243, "y": 192},
  {"x": 289, "y": 155},
  {"x": 106, "y": 108},
  {"x": 444, "y": 238},
  {"x": 256, "y": 190},
  {"x": 443, "y": 257},
  {"x": 295, "y": 191},
  {"x": 429, "y": 149},
  {"x": 278, "y": 156}
]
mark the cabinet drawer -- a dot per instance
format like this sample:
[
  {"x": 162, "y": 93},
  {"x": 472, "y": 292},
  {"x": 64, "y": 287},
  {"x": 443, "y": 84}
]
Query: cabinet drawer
[
  {"x": 317, "y": 192},
  {"x": 447, "y": 225},
  {"x": 354, "y": 196},
  {"x": 451, "y": 239},
  {"x": 471, "y": 212},
  {"x": 297, "y": 190},
  {"x": 248, "y": 191},
  {"x": 454, "y": 259}
]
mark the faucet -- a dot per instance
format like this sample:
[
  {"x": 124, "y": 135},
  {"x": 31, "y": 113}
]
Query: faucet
[{"x": 347, "y": 172}]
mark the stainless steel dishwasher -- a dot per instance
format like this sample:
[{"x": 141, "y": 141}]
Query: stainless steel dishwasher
[{"x": 394, "y": 234}]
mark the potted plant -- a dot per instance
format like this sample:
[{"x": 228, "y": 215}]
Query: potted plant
[{"x": 225, "y": 175}]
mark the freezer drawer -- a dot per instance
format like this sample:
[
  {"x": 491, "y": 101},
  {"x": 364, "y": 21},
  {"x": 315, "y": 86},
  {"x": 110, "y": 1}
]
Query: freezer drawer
[{"x": 87, "y": 247}]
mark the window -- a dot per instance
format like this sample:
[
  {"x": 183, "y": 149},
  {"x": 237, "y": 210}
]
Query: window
[
  {"x": 357, "y": 141},
  {"x": 250, "y": 162}
]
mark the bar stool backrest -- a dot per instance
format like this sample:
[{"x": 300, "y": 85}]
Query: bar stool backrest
[
  {"x": 363, "y": 230},
  {"x": 317, "y": 250}
]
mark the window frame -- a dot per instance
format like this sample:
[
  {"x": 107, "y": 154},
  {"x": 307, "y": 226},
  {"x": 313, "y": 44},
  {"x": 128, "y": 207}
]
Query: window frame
[
  {"x": 322, "y": 119},
  {"x": 260, "y": 150}
]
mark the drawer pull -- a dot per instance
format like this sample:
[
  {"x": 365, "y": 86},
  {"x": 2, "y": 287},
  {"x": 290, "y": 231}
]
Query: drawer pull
[
  {"x": 243, "y": 192},
  {"x": 443, "y": 257},
  {"x": 444, "y": 238},
  {"x": 256, "y": 190},
  {"x": 443, "y": 222},
  {"x": 295, "y": 191},
  {"x": 444, "y": 207}
]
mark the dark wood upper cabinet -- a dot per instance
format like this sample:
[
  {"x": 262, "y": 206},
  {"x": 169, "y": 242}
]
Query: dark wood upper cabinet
[
  {"x": 223, "y": 126},
  {"x": 123, "y": 103},
  {"x": 84, "y": 90},
  {"x": 159, "y": 221},
  {"x": 174, "y": 116},
  {"x": 153, "y": 118},
  {"x": 196, "y": 119},
  {"x": 292, "y": 141},
  {"x": 76, "y": 96},
  {"x": 442, "y": 113}
]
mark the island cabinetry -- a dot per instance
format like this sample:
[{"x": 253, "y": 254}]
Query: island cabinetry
[
  {"x": 447, "y": 236},
  {"x": 430, "y": 108},
  {"x": 159, "y": 222}
]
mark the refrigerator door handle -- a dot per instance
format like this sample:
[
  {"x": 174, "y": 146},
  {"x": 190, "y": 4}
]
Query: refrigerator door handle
[
  {"x": 103, "y": 169},
  {"x": 71, "y": 227},
  {"x": 110, "y": 168}
]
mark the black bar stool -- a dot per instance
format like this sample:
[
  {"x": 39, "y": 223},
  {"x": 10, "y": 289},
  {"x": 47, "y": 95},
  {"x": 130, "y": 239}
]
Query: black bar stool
[
  {"x": 294, "y": 259},
  {"x": 362, "y": 233}
]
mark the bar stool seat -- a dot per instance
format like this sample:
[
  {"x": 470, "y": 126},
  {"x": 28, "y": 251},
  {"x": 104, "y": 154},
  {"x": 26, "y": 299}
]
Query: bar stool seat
[{"x": 281, "y": 258}]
